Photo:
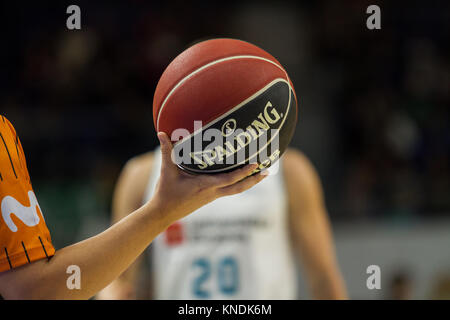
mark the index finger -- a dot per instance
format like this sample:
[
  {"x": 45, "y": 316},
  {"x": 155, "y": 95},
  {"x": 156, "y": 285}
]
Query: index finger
[{"x": 229, "y": 178}]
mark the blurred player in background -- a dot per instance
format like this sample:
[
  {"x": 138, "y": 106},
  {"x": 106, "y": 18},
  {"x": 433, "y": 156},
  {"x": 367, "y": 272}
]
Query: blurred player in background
[
  {"x": 31, "y": 268},
  {"x": 241, "y": 247}
]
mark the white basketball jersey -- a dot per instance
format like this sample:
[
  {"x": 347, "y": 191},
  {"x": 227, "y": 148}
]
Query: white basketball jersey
[{"x": 236, "y": 247}]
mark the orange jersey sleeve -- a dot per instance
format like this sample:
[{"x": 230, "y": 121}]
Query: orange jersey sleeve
[{"x": 24, "y": 236}]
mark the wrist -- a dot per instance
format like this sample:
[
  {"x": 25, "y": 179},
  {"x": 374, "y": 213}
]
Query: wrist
[{"x": 158, "y": 214}]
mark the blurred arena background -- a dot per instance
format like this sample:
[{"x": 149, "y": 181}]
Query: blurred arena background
[{"x": 374, "y": 114}]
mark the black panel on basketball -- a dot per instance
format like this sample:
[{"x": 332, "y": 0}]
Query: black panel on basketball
[{"x": 259, "y": 130}]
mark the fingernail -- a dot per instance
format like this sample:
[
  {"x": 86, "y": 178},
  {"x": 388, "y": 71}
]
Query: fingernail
[{"x": 159, "y": 135}]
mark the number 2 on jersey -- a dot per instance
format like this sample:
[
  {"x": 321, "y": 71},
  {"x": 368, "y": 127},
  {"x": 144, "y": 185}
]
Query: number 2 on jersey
[{"x": 226, "y": 275}]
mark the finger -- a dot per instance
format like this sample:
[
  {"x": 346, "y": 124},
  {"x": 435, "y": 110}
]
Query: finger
[
  {"x": 226, "y": 179},
  {"x": 242, "y": 185},
  {"x": 166, "y": 152}
]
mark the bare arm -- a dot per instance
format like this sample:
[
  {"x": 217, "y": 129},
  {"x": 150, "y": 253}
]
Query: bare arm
[
  {"x": 128, "y": 196},
  {"x": 311, "y": 229},
  {"x": 104, "y": 257}
]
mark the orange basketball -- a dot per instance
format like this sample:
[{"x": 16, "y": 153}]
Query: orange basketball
[{"x": 225, "y": 103}]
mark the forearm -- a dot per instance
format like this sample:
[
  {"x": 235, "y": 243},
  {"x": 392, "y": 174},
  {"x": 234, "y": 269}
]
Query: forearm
[
  {"x": 127, "y": 286},
  {"x": 327, "y": 285},
  {"x": 101, "y": 259},
  {"x": 314, "y": 239},
  {"x": 321, "y": 266}
]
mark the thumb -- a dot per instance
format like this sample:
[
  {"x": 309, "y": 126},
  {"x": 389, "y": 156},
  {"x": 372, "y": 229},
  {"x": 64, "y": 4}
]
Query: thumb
[{"x": 166, "y": 151}]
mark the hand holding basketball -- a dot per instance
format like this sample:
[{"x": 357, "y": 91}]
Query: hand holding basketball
[{"x": 179, "y": 193}]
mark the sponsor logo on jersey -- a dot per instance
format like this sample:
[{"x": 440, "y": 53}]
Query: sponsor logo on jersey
[
  {"x": 174, "y": 234},
  {"x": 28, "y": 215}
]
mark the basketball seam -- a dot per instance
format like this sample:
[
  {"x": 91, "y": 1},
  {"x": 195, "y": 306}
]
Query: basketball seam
[
  {"x": 235, "y": 108},
  {"x": 209, "y": 64}
]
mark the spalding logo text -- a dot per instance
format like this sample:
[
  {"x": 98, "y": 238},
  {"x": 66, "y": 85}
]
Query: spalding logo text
[{"x": 256, "y": 129}]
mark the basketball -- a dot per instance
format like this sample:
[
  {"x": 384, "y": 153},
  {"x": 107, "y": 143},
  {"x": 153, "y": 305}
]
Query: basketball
[{"x": 225, "y": 103}]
